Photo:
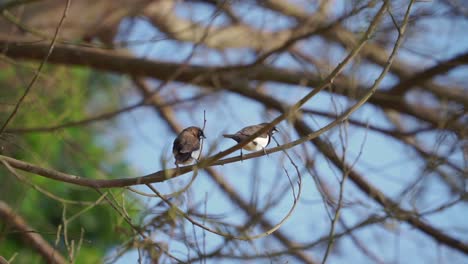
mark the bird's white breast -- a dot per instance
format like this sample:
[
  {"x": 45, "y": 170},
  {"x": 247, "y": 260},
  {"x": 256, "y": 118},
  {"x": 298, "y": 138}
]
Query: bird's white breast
[
  {"x": 196, "y": 153},
  {"x": 261, "y": 143}
]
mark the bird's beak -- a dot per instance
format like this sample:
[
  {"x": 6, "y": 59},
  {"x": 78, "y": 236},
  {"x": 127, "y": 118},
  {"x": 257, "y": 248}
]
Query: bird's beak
[{"x": 202, "y": 135}]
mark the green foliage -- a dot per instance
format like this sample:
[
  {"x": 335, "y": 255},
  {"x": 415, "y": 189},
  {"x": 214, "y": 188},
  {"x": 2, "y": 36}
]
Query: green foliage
[{"x": 60, "y": 95}]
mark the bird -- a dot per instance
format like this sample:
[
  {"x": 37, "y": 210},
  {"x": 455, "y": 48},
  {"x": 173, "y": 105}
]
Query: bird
[
  {"x": 187, "y": 145},
  {"x": 258, "y": 143}
]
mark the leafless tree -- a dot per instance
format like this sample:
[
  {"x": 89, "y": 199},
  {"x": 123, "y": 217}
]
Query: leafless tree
[{"x": 370, "y": 99}]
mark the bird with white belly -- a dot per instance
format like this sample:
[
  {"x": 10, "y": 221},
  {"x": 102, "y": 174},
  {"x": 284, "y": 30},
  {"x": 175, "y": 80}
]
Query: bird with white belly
[
  {"x": 187, "y": 145},
  {"x": 258, "y": 143}
]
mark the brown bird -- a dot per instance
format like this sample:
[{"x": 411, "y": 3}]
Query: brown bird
[
  {"x": 258, "y": 143},
  {"x": 187, "y": 145}
]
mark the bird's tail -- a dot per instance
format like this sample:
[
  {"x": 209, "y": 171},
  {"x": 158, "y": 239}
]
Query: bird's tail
[{"x": 236, "y": 138}]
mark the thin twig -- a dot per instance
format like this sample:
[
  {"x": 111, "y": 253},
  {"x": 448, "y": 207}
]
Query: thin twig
[{"x": 39, "y": 69}]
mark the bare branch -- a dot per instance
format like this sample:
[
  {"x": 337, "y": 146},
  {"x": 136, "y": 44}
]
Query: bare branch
[{"x": 12, "y": 219}]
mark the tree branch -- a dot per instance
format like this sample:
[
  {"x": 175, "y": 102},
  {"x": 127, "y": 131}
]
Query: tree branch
[
  {"x": 49, "y": 253},
  {"x": 167, "y": 115}
]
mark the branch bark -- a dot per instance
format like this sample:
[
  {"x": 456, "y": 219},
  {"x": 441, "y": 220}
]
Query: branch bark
[
  {"x": 212, "y": 76},
  {"x": 12, "y": 219}
]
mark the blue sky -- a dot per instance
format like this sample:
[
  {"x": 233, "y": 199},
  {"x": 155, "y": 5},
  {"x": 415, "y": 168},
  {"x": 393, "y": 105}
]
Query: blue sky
[{"x": 385, "y": 163}]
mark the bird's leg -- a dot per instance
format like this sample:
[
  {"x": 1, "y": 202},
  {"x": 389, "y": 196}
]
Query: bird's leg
[
  {"x": 264, "y": 151},
  {"x": 242, "y": 155}
]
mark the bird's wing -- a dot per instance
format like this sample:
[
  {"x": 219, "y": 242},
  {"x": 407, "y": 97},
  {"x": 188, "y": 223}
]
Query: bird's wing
[
  {"x": 250, "y": 130},
  {"x": 189, "y": 144},
  {"x": 176, "y": 145}
]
